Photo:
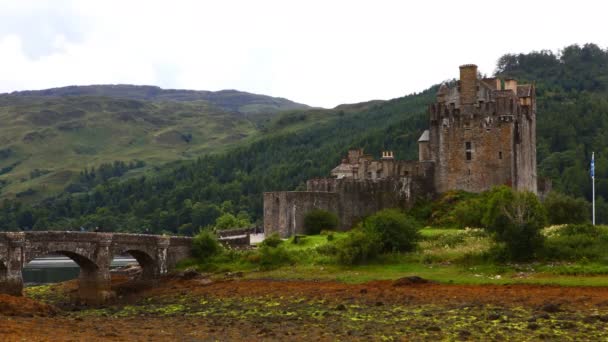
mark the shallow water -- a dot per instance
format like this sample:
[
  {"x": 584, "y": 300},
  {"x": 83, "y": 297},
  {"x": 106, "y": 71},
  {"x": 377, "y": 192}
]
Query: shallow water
[{"x": 54, "y": 269}]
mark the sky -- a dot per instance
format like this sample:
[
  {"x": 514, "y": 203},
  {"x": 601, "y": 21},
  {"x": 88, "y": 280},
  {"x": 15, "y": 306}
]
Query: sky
[{"x": 321, "y": 53}]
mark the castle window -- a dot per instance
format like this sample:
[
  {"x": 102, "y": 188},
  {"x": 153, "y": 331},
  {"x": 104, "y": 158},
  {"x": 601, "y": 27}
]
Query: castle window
[
  {"x": 468, "y": 150},
  {"x": 500, "y": 155}
]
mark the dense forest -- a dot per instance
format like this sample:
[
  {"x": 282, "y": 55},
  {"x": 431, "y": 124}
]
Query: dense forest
[{"x": 572, "y": 91}]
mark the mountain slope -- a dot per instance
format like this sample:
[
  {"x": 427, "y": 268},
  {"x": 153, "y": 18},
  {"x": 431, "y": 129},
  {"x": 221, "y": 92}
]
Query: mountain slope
[
  {"x": 227, "y": 100},
  {"x": 47, "y": 137}
]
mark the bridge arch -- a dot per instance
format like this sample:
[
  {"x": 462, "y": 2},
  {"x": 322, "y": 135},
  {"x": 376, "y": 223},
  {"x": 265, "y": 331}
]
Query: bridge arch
[
  {"x": 92, "y": 252},
  {"x": 147, "y": 262}
]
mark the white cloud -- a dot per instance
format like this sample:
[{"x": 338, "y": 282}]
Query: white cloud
[{"x": 321, "y": 53}]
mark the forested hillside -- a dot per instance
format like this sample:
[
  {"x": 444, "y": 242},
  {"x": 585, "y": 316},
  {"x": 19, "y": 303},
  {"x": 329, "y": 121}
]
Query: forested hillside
[
  {"x": 47, "y": 137},
  {"x": 572, "y": 120},
  {"x": 572, "y": 90}
]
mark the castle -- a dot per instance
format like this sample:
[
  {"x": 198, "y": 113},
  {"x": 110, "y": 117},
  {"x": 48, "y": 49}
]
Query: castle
[{"x": 482, "y": 133}]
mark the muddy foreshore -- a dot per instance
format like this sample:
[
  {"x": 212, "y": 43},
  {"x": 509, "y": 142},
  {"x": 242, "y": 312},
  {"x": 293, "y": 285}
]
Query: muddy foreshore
[{"x": 200, "y": 309}]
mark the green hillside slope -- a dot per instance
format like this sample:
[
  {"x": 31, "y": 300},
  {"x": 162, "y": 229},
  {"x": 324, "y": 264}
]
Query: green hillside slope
[{"x": 48, "y": 137}]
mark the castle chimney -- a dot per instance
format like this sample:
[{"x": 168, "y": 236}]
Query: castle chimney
[
  {"x": 468, "y": 84},
  {"x": 511, "y": 84},
  {"x": 387, "y": 155}
]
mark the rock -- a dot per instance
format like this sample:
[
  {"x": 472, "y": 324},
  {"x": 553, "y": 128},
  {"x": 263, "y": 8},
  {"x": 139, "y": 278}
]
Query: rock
[
  {"x": 464, "y": 334},
  {"x": 590, "y": 319},
  {"x": 543, "y": 316},
  {"x": 550, "y": 308},
  {"x": 341, "y": 307},
  {"x": 493, "y": 317},
  {"x": 411, "y": 280},
  {"x": 188, "y": 274}
]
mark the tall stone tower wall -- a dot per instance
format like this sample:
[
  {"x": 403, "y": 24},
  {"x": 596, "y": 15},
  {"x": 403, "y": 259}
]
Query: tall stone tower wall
[{"x": 483, "y": 133}]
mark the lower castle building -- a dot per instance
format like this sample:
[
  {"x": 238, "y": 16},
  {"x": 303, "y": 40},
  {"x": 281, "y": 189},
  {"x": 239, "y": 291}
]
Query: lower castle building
[{"x": 482, "y": 133}]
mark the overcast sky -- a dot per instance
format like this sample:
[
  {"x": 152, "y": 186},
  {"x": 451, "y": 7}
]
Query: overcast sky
[{"x": 322, "y": 53}]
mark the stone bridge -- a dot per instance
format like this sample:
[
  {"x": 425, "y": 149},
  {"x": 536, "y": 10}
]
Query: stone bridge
[{"x": 93, "y": 252}]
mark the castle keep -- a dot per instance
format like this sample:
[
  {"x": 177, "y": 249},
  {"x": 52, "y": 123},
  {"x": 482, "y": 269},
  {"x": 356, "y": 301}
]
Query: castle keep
[{"x": 482, "y": 133}]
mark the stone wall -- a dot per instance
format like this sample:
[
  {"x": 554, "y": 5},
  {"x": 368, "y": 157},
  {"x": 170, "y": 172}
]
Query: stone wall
[
  {"x": 93, "y": 252},
  {"x": 284, "y": 211},
  {"x": 350, "y": 199}
]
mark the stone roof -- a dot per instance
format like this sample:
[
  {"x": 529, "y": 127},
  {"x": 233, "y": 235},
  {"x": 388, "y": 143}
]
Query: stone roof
[
  {"x": 343, "y": 168},
  {"x": 424, "y": 136},
  {"x": 524, "y": 90}
]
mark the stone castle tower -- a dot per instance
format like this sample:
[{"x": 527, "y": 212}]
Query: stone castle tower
[{"x": 482, "y": 133}]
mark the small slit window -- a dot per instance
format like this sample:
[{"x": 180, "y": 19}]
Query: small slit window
[
  {"x": 468, "y": 150},
  {"x": 500, "y": 155}
]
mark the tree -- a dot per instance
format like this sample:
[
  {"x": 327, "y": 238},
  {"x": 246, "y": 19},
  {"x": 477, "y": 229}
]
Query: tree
[
  {"x": 228, "y": 221},
  {"x": 397, "y": 231},
  {"x": 563, "y": 209},
  {"x": 515, "y": 219},
  {"x": 317, "y": 220}
]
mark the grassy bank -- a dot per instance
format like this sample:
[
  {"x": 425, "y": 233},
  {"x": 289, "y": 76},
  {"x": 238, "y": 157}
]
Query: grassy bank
[{"x": 444, "y": 255}]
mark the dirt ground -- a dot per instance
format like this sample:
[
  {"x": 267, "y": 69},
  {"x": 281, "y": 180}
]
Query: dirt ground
[{"x": 233, "y": 309}]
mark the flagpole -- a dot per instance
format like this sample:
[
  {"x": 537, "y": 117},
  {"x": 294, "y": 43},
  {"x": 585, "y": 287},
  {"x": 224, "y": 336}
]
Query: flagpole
[{"x": 593, "y": 183}]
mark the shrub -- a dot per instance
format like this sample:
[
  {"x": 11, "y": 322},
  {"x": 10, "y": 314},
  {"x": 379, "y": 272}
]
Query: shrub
[
  {"x": 359, "y": 247},
  {"x": 273, "y": 257},
  {"x": 205, "y": 245},
  {"x": 317, "y": 220},
  {"x": 443, "y": 209},
  {"x": 576, "y": 242},
  {"x": 469, "y": 213},
  {"x": 563, "y": 209},
  {"x": 272, "y": 241},
  {"x": 396, "y": 231},
  {"x": 516, "y": 220}
]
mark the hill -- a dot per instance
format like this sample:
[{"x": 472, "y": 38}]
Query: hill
[
  {"x": 227, "y": 100},
  {"x": 47, "y": 137},
  {"x": 572, "y": 118}
]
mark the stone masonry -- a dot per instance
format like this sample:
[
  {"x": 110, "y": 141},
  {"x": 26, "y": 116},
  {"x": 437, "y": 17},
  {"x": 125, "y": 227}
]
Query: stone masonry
[
  {"x": 482, "y": 133},
  {"x": 93, "y": 252}
]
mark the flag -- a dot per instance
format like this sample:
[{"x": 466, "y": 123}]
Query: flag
[{"x": 592, "y": 165}]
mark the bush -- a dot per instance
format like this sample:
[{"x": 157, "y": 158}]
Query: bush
[
  {"x": 272, "y": 241},
  {"x": 443, "y": 209},
  {"x": 515, "y": 219},
  {"x": 469, "y": 213},
  {"x": 396, "y": 231},
  {"x": 576, "y": 242},
  {"x": 317, "y": 220},
  {"x": 359, "y": 247},
  {"x": 205, "y": 245},
  {"x": 273, "y": 257},
  {"x": 563, "y": 209}
]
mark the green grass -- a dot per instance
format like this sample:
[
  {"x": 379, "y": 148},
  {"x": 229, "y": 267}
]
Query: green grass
[
  {"x": 434, "y": 232},
  {"x": 444, "y": 255}
]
